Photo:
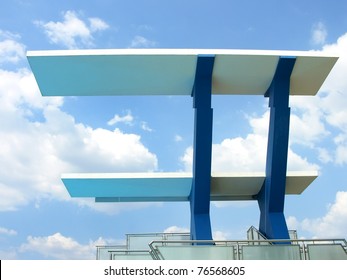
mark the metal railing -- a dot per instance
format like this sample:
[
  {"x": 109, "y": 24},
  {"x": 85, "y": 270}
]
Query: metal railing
[
  {"x": 238, "y": 246},
  {"x": 169, "y": 245},
  {"x": 254, "y": 234},
  {"x": 136, "y": 243},
  {"x": 102, "y": 250},
  {"x": 128, "y": 253}
]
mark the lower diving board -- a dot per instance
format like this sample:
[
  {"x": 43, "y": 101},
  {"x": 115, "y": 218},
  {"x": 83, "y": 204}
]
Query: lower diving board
[{"x": 137, "y": 187}]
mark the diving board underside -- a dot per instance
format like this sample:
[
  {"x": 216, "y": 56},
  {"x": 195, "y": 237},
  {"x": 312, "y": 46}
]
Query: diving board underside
[
  {"x": 136, "y": 187},
  {"x": 170, "y": 72}
]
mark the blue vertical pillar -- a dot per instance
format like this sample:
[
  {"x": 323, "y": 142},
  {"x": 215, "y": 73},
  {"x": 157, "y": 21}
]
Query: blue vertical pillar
[
  {"x": 200, "y": 226},
  {"x": 272, "y": 195}
]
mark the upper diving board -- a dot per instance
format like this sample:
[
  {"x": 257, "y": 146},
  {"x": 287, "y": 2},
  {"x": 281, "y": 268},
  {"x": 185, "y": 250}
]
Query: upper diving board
[
  {"x": 171, "y": 71},
  {"x": 135, "y": 187}
]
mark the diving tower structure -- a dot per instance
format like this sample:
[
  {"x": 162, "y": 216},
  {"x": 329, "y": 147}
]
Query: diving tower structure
[{"x": 199, "y": 73}]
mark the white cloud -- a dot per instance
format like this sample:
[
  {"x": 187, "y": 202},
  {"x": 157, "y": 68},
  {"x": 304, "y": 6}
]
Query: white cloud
[
  {"x": 145, "y": 127},
  {"x": 240, "y": 154},
  {"x": 219, "y": 235},
  {"x": 187, "y": 159},
  {"x": 319, "y": 33},
  {"x": 60, "y": 145},
  {"x": 11, "y": 51},
  {"x": 333, "y": 99},
  {"x": 11, "y": 198},
  {"x": 72, "y": 32},
  {"x": 9, "y": 232},
  {"x": 306, "y": 122},
  {"x": 341, "y": 154},
  {"x": 178, "y": 138},
  {"x": 332, "y": 225},
  {"x": 110, "y": 150},
  {"x": 5, "y": 34},
  {"x": 142, "y": 42},
  {"x": 292, "y": 223},
  {"x": 336, "y": 82},
  {"x": 247, "y": 154},
  {"x": 97, "y": 24},
  {"x": 127, "y": 119},
  {"x": 320, "y": 122},
  {"x": 324, "y": 155},
  {"x": 176, "y": 229},
  {"x": 58, "y": 246},
  {"x": 19, "y": 94}
]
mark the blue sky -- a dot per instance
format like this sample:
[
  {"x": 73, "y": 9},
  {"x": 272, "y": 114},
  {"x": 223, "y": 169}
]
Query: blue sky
[{"x": 44, "y": 137}]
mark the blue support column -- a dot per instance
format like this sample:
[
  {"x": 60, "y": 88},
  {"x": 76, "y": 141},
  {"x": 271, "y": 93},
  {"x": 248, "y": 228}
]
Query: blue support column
[
  {"x": 272, "y": 195},
  {"x": 200, "y": 193}
]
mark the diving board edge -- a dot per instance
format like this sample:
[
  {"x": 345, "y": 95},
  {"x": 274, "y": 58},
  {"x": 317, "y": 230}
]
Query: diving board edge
[{"x": 146, "y": 187}]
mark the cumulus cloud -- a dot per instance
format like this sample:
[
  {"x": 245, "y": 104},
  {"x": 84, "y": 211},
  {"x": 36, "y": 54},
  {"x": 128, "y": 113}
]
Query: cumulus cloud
[
  {"x": 11, "y": 51},
  {"x": 319, "y": 33},
  {"x": 142, "y": 42},
  {"x": 239, "y": 154},
  {"x": 307, "y": 125},
  {"x": 322, "y": 120},
  {"x": 60, "y": 247},
  {"x": 9, "y": 232},
  {"x": 176, "y": 229},
  {"x": 72, "y": 32},
  {"x": 97, "y": 24},
  {"x": 247, "y": 154},
  {"x": 34, "y": 154},
  {"x": 324, "y": 155},
  {"x": 334, "y": 99},
  {"x": 127, "y": 119},
  {"x": 97, "y": 150},
  {"x": 332, "y": 225},
  {"x": 292, "y": 223},
  {"x": 145, "y": 127},
  {"x": 219, "y": 235},
  {"x": 178, "y": 138},
  {"x": 11, "y": 198}
]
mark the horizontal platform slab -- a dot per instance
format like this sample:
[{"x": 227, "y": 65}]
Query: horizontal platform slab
[
  {"x": 132, "y": 187},
  {"x": 170, "y": 72}
]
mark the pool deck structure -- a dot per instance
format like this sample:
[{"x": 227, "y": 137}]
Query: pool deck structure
[{"x": 197, "y": 73}]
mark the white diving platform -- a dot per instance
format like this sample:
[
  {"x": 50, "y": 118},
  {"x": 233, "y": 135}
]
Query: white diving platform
[
  {"x": 136, "y": 187},
  {"x": 171, "y": 71}
]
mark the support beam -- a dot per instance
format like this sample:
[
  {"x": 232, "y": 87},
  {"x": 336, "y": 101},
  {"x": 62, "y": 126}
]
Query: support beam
[
  {"x": 200, "y": 194},
  {"x": 272, "y": 195}
]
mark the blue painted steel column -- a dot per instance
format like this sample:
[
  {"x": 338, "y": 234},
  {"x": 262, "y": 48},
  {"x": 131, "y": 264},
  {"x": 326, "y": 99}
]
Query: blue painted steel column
[
  {"x": 272, "y": 195},
  {"x": 200, "y": 226}
]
